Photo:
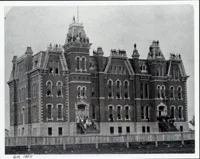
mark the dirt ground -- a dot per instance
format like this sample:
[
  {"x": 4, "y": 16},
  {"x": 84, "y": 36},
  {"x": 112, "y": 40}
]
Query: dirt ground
[{"x": 116, "y": 148}]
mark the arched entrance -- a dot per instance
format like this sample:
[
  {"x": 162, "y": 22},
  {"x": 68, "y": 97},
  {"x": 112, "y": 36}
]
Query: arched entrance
[
  {"x": 82, "y": 109},
  {"x": 161, "y": 110}
]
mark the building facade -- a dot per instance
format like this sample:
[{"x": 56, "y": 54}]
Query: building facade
[{"x": 52, "y": 89}]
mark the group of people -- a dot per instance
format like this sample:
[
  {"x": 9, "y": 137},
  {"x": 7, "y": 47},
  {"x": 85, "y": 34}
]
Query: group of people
[
  {"x": 166, "y": 119},
  {"x": 86, "y": 122}
]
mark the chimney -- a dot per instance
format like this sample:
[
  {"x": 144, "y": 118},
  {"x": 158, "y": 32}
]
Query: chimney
[{"x": 29, "y": 51}]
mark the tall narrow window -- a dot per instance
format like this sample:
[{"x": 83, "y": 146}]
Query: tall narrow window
[
  {"x": 180, "y": 112},
  {"x": 56, "y": 67},
  {"x": 59, "y": 89},
  {"x": 115, "y": 70},
  {"x": 141, "y": 90},
  {"x": 158, "y": 71},
  {"x": 49, "y": 115},
  {"x": 177, "y": 73},
  {"x": 60, "y": 131},
  {"x": 79, "y": 91},
  {"x": 147, "y": 111},
  {"x": 172, "y": 109},
  {"x": 158, "y": 91},
  {"x": 163, "y": 92},
  {"x": 119, "y": 112},
  {"x": 179, "y": 93},
  {"x": 146, "y": 90},
  {"x": 50, "y": 67},
  {"x": 111, "y": 118},
  {"x": 49, "y": 88},
  {"x": 126, "y": 89},
  {"x": 78, "y": 63},
  {"x": 83, "y": 63},
  {"x": 127, "y": 117},
  {"x": 171, "y": 92},
  {"x": 118, "y": 89},
  {"x": 23, "y": 116},
  {"x": 50, "y": 131},
  {"x": 110, "y": 88},
  {"x": 60, "y": 116},
  {"x": 93, "y": 112},
  {"x": 84, "y": 91},
  {"x": 120, "y": 70},
  {"x": 34, "y": 115},
  {"x": 142, "y": 112}
]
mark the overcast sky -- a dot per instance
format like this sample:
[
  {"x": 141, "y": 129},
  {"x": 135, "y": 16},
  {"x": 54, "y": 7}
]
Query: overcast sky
[{"x": 111, "y": 27}]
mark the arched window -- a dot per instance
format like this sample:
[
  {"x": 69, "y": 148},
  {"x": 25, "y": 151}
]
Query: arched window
[
  {"x": 179, "y": 92},
  {"x": 118, "y": 89},
  {"x": 171, "y": 89},
  {"x": 110, "y": 110},
  {"x": 59, "y": 88},
  {"x": 172, "y": 112},
  {"x": 145, "y": 112},
  {"x": 110, "y": 88},
  {"x": 83, "y": 63},
  {"x": 119, "y": 115},
  {"x": 59, "y": 111},
  {"x": 49, "y": 111},
  {"x": 49, "y": 88},
  {"x": 127, "y": 115},
  {"x": 78, "y": 63},
  {"x": 163, "y": 91},
  {"x": 180, "y": 112},
  {"x": 84, "y": 91},
  {"x": 158, "y": 91},
  {"x": 126, "y": 89},
  {"x": 79, "y": 91}
]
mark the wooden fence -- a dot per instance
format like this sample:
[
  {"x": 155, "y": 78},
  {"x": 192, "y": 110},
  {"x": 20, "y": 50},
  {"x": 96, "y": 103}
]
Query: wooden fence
[{"x": 96, "y": 139}]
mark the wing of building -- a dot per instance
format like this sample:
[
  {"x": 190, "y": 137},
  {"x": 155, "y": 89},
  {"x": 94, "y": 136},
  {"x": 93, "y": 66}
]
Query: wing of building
[{"x": 66, "y": 91}]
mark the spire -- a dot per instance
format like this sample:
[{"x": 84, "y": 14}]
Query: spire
[{"x": 135, "y": 52}]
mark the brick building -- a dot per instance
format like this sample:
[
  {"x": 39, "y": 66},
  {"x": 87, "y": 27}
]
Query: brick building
[{"x": 53, "y": 91}]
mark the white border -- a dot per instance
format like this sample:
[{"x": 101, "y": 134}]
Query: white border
[{"x": 195, "y": 5}]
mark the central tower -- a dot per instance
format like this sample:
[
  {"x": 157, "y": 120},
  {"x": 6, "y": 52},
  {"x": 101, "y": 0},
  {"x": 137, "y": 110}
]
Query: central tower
[{"x": 76, "y": 50}]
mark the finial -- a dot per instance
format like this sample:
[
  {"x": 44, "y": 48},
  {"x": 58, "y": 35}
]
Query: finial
[{"x": 135, "y": 46}]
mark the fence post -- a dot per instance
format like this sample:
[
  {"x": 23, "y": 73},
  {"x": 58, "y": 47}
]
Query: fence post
[
  {"x": 64, "y": 145},
  {"x": 97, "y": 145},
  {"x": 156, "y": 141},
  {"x": 29, "y": 143},
  {"x": 182, "y": 140},
  {"x": 126, "y": 140}
]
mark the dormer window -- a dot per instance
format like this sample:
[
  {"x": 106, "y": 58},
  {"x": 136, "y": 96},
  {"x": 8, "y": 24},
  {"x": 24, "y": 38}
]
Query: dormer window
[{"x": 144, "y": 68}]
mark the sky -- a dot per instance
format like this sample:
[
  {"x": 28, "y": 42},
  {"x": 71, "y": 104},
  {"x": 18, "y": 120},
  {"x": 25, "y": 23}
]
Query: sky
[{"x": 111, "y": 27}]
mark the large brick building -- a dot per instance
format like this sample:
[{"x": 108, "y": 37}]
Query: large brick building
[{"x": 52, "y": 89}]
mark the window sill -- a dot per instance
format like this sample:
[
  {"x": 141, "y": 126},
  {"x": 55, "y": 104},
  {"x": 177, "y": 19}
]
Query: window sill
[
  {"x": 60, "y": 119},
  {"x": 110, "y": 119},
  {"x": 121, "y": 119},
  {"x": 50, "y": 96},
  {"x": 110, "y": 97},
  {"x": 61, "y": 96},
  {"x": 127, "y": 98},
  {"x": 118, "y": 98},
  {"x": 57, "y": 74},
  {"x": 48, "y": 119},
  {"x": 127, "y": 119}
]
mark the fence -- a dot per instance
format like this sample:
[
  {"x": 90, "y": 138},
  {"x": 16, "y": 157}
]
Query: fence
[{"x": 96, "y": 139}]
